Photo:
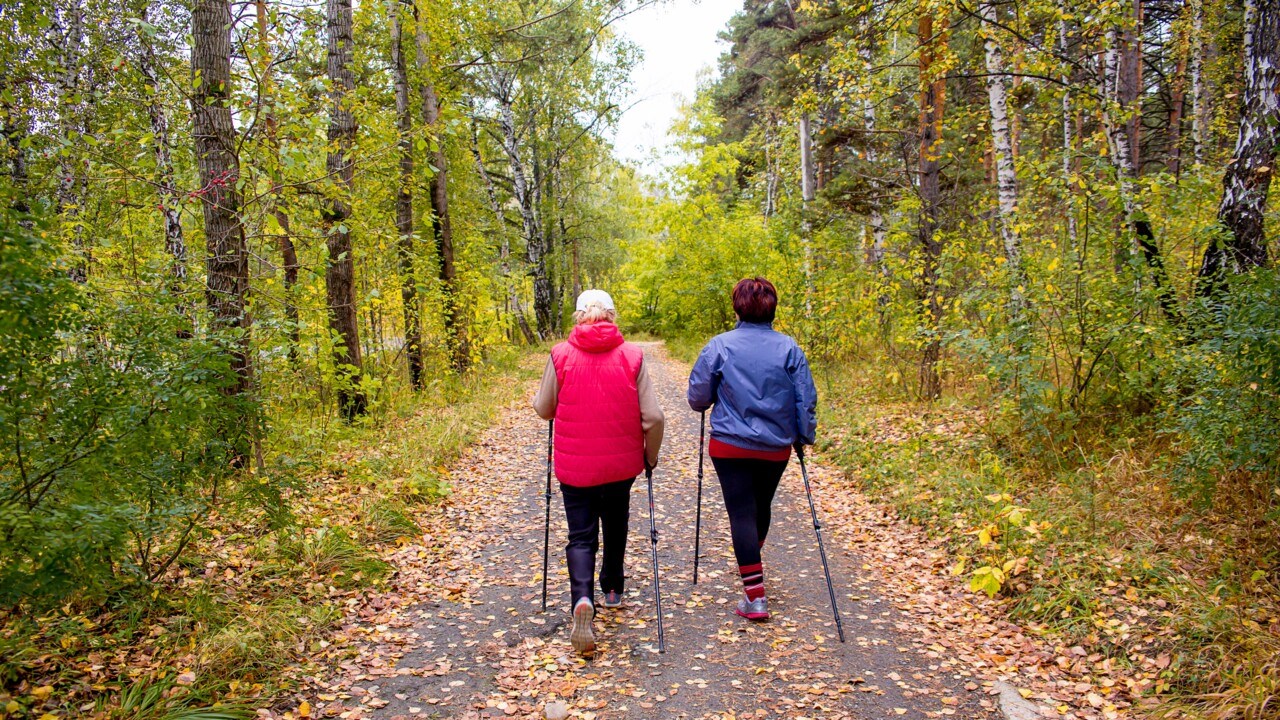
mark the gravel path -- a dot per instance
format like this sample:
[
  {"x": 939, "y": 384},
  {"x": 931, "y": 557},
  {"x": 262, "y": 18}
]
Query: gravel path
[{"x": 460, "y": 633}]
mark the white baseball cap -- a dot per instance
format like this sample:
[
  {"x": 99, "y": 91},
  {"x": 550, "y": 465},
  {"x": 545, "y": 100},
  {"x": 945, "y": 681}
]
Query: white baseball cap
[{"x": 594, "y": 296}]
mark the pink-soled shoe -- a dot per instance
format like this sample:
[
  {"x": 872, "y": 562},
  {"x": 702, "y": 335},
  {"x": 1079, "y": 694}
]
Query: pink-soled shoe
[{"x": 756, "y": 610}]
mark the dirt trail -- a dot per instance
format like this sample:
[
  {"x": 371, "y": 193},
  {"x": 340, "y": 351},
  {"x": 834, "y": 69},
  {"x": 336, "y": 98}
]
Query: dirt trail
[{"x": 460, "y": 634}]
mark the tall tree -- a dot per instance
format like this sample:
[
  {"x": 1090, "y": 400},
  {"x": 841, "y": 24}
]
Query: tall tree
[
  {"x": 511, "y": 297},
  {"x": 226, "y": 258},
  {"x": 525, "y": 193},
  {"x": 404, "y": 203},
  {"x": 69, "y": 37},
  {"x": 271, "y": 135},
  {"x": 1245, "y": 184},
  {"x": 438, "y": 190},
  {"x": 1115, "y": 113},
  {"x": 1006, "y": 177},
  {"x": 1178, "y": 91},
  {"x": 1199, "y": 89},
  {"x": 932, "y": 35},
  {"x": 340, "y": 268},
  {"x": 170, "y": 199}
]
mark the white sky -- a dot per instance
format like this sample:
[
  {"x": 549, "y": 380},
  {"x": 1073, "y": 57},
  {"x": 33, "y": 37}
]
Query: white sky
[{"x": 678, "y": 39}]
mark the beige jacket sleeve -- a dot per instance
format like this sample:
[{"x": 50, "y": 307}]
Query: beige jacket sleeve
[
  {"x": 544, "y": 403},
  {"x": 652, "y": 419}
]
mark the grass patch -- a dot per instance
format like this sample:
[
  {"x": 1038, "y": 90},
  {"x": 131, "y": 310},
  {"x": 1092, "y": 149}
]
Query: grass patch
[
  {"x": 294, "y": 540},
  {"x": 1092, "y": 538}
]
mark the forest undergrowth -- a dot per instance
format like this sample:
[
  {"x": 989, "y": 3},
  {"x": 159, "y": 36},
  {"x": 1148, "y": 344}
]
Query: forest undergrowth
[
  {"x": 260, "y": 589},
  {"x": 1084, "y": 539}
]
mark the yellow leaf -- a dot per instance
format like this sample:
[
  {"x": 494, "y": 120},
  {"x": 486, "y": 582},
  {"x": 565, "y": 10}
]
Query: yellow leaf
[{"x": 304, "y": 709}]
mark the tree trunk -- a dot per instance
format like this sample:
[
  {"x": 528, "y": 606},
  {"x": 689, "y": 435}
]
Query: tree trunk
[
  {"x": 879, "y": 234},
  {"x": 170, "y": 200},
  {"x": 1247, "y": 180},
  {"x": 534, "y": 241},
  {"x": 932, "y": 107},
  {"x": 807, "y": 179},
  {"x": 1178, "y": 99},
  {"x": 227, "y": 259},
  {"x": 1006, "y": 177},
  {"x": 1118, "y": 140},
  {"x": 544, "y": 286},
  {"x": 404, "y": 204},
  {"x": 808, "y": 189},
  {"x": 288, "y": 253},
  {"x": 1129, "y": 90},
  {"x": 1199, "y": 98},
  {"x": 1067, "y": 147},
  {"x": 13, "y": 125},
  {"x": 71, "y": 193},
  {"x": 455, "y": 325},
  {"x": 340, "y": 270},
  {"x": 504, "y": 248}
]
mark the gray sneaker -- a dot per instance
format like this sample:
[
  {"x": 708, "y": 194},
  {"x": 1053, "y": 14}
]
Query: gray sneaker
[
  {"x": 612, "y": 599},
  {"x": 583, "y": 637},
  {"x": 753, "y": 609}
]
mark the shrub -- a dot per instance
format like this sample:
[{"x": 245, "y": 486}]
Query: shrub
[{"x": 111, "y": 431}]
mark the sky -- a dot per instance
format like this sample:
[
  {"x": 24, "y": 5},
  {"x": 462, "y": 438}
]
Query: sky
[{"x": 678, "y": 39}]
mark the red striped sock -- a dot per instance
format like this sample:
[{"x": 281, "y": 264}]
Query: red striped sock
[{"x": 753, "y": 580}]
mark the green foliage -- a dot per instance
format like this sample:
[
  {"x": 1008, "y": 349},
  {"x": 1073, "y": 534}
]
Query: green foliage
[
  {"x": 113, "y": 429},
  {"x": 1225, "y": 421}
]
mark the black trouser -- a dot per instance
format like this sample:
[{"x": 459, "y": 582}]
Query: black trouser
[
  {"x": 748, "y": 486},
  {"x": 590, "y": 512}
]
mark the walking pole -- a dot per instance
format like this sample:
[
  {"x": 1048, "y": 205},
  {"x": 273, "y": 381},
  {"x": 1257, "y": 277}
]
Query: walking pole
[
  {"x": 697, "y": 531},
  {"x": 546, "y": 525},
  {"x": 653, "y": 537},
  {"x": 817, "y": 529}
]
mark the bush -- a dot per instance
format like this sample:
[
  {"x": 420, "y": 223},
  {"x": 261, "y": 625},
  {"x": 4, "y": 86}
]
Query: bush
[
  {"x": 1227, "y": 422},
  {"x": 111, "y": 423}
]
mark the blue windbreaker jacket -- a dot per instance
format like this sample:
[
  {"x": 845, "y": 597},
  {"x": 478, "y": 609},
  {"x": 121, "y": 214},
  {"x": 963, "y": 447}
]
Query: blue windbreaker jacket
[{"x": 758, "y": 384}]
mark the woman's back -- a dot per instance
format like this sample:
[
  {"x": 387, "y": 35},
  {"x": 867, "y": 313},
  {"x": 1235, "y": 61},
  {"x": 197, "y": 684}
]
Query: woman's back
[{"x": 759, "y": 383}]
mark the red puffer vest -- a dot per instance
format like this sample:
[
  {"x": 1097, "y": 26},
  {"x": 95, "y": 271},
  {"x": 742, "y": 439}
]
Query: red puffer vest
[{"x": 598, "y": 436}]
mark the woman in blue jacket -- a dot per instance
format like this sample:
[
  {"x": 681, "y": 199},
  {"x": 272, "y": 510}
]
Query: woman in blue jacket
[{"x": 758, "y": 385}]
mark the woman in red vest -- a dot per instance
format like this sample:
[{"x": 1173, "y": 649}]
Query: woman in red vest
[{"x": 608, "y": 430}]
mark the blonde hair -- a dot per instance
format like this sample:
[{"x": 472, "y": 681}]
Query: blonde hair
[{"x": 595, "y": 313}]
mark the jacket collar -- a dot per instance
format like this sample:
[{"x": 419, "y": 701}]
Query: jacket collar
[{"x": 757, "y": 326}]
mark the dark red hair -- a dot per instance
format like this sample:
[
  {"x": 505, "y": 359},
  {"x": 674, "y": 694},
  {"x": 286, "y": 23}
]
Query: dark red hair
[{"x": 755, "y": 300}]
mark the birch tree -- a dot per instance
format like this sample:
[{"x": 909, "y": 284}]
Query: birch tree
[
  {"x": 1115, "y": 115},
  {"x": 1242, "y": 244},
  {"x": 170, "y": 204},
  {"x": 1006, "y": 177}
]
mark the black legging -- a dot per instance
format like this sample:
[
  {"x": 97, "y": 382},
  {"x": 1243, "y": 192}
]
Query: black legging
[
  {"x": 591, "y": 512},
  {"x": 748, "y": 486}
]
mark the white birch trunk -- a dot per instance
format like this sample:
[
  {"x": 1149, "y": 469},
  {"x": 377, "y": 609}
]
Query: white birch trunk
[
  {"x": 1199, "y": 103},
  {"x": 1067, "y": 137},
  {"x": 875, "y": 251},
  {"x": 1006, "y": 176},
  {"x": 170, "y": 199},
  {"x": 1247, "y": 179},
  {"x": 807, "y": 195}
]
